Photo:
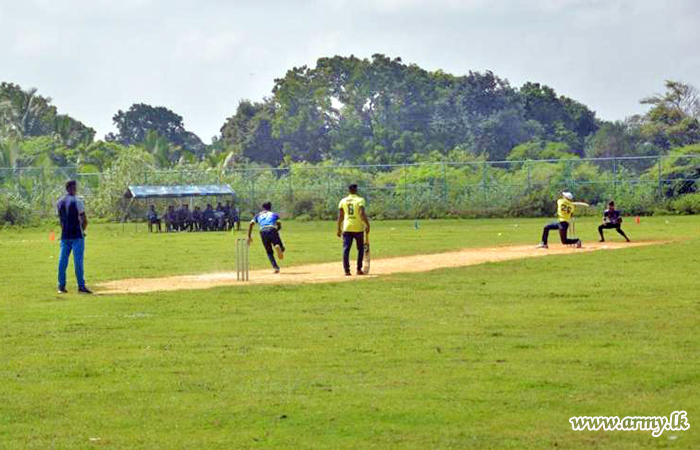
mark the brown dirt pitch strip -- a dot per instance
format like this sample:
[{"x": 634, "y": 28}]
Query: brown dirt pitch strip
[{"x": 333, "y": 272}]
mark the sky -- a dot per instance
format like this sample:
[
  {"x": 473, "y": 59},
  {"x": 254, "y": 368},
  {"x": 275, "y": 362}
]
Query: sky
[{"x": 200, "y": 58}]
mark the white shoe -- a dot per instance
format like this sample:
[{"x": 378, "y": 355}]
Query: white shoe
[
  {"x": 280, "y": 252},
  {"x": 542, "y": 245}
]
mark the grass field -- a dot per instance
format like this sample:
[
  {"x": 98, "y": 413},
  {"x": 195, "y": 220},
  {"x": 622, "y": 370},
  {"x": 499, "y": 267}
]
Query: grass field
[{"x": 497, "y": 356}]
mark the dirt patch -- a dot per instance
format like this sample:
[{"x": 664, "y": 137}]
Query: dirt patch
[{"x": 333, "y": 272}]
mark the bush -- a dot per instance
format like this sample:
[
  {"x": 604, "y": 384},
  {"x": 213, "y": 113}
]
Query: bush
[
  {"x": 14, "y": 210},
  {"x": 686, "y": 204}
]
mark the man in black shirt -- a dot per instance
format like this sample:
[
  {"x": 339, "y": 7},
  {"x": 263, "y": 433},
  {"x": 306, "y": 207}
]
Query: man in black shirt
[
  {"x": 611, "y": 219},
  {"x": 71, "y": 211},
  {"x": 208, "y": 217}
]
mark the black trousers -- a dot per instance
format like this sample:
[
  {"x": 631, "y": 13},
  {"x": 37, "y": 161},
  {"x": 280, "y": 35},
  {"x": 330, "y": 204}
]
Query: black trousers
[
  {"x": 608, "y": 226},
  {"x": 563, "y": 227},
  {"x": 152, "y": 222},
  {"x": 359, "y": 238},
  {"x": 271, "y": 237}
]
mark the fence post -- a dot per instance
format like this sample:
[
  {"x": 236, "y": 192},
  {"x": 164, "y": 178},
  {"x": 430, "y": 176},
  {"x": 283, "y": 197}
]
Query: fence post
[
  {"x": 615, "y": 177},
  {"x": 529, "y": 176},
  {"x": 658, "y": 177},
  {"x": 43, "y": 190},
  {"x": 444, "y": 186},
  {"x": 252, "y": 193},
  {"x": 405, "y": 188},
  {"x": 484, "y": 184}
]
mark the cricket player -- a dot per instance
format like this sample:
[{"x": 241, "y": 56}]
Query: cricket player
[
  {"x": 270, "y": 227},
  {"x": 352, "y": 224},
  {"x": 565, "y": 210},
  {"x": 611, "y": 219},
  {"x": 71, "y": 211}
]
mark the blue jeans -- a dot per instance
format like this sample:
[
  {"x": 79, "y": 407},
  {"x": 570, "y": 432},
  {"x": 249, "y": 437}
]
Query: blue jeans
[
  {"x": 77, "y": 246},
  {"x": 359, "y": 238}
]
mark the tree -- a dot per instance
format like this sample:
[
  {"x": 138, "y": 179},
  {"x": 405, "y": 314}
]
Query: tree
[
  {"x": 249, "y": 133},
  {"x": 562, "y": 118},
  {"x": 134, "y": 124},
  {"x": 674, "y": 117},
  {"x": 24, "y": 113},
  {"x": 380, "y": 110},
  {"x": 612, "y": 139},
  {"x": 679, "y": 97}
]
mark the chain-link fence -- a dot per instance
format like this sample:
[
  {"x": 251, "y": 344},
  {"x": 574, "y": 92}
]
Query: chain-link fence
[{"x": 441, "y": 189}]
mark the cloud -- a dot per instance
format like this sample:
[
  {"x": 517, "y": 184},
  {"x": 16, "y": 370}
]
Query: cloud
[{"x": 200, "y": 58}]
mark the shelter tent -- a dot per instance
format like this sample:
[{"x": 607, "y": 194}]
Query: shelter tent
[{"x": 134, "y": 193}]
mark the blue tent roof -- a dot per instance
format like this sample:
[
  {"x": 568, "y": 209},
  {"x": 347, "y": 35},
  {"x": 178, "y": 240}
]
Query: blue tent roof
[{"x": 179, "y": 191}]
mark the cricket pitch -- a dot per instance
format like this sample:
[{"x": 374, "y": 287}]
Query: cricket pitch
[{"x": 333, "y": 272}]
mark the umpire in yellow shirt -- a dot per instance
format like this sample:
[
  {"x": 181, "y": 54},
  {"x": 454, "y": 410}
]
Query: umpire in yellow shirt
[
  {"x": 352, "y": 224},
  {"x": 565, "y": 209}
]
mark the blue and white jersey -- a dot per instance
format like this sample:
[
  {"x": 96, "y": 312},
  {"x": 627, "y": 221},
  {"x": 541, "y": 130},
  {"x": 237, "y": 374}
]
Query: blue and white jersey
[
  {"x": 69, "y": 208},
  {"x": 266, "y": 219}
]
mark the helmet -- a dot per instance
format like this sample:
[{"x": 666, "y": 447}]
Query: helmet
[{"x": 567, "y": 195}]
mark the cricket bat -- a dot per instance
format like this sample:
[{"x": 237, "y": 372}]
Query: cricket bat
[{"x": 366, "y": 257}]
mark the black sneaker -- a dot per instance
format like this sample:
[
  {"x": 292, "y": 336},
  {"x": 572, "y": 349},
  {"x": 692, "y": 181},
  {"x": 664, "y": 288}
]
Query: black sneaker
[
  {"x": 84, "y": 290},
  {"x": 62, "y": 290},
  {"x": 360, "y": 272},
  {"x": 348, "y": 274}
]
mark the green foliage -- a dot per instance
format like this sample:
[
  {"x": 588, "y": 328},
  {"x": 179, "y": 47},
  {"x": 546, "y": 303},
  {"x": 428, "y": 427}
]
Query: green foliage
[
  {"x": 674, "y": 117},
  {"x": 14, "y": 210},
  {"x": 380, "y": 111},
  {"x": 681, "y": 170},
  {"x": 128, "y": 168},
  {"x": 24, "y": 113},
  {"x": 142, "y": 122},
  {"x": 686, "y": 204},
  {"x": 540, "y": 150}
]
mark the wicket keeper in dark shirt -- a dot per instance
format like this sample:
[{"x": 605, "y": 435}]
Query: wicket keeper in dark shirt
[
  {"x": 611, "y": 219},
  {"x": 71, "y": 211}
]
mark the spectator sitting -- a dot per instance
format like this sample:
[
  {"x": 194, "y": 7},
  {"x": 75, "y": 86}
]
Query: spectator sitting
[
  {"x": 197, "y": 218},
  {"x": 219, "y": 217},
  {"x": 170, "y": 219},
  {"x": 208, "y": 216},
  {"x": 186, "y": 217},
  {"x": 227, "y": 214},
  {"x": 153, "y": 219},
  {"x": 235, "y": 218}
]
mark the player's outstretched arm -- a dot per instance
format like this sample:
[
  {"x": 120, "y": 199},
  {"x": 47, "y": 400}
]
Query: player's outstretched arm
[{"x": 250, "y": 231}]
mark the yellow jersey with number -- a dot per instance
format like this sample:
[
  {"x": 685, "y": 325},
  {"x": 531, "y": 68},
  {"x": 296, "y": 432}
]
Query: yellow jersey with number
[
  {"x": 565, "y": 209},
  {"x": 351, "y": 212}
]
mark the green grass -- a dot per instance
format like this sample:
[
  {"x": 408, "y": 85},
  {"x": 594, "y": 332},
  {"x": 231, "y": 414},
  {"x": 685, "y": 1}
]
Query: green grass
[{"x": 496, "y": 356}]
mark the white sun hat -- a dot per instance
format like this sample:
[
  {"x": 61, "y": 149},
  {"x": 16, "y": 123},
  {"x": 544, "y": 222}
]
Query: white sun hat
[{"x": 568, "y": 195}]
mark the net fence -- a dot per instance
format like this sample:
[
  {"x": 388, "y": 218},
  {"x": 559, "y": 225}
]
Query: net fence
[{"x": 435, "y": 189}]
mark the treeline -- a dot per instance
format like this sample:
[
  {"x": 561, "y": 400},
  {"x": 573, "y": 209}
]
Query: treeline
[
  {"x": 358, "y": 111},
  {"x": 347, "y": 111}
]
